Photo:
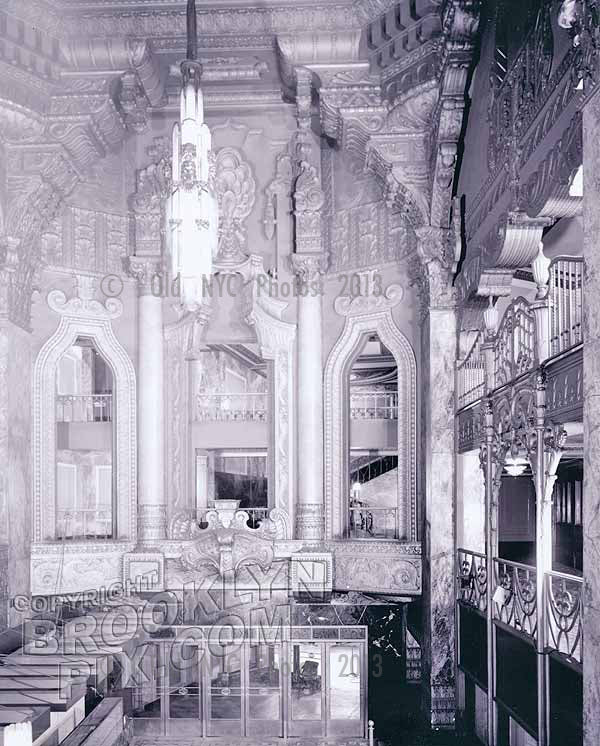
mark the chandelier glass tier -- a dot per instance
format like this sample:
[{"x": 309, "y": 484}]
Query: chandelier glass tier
[{"x": 192, "y": 206}]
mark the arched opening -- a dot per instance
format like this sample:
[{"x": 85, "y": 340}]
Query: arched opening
[
  {"x": 85, "y": 486},
  {"x": 387, "y": 414}
]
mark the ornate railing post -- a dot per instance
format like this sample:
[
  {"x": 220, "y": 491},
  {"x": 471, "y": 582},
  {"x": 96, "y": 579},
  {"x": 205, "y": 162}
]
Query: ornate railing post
[
  {"x": 492, "y": 454},
  {"x": 545, "y": 449},
  {"x": 487, "y": 464}
]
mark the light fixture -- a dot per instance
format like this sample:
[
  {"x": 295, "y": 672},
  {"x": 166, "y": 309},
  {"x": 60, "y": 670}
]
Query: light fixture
[
  {"x": 540, "y": 267},
  {"x": 192, "y": 207},
  {"x": 515, "y": 465},
  {"x": 490, "y": 317}
]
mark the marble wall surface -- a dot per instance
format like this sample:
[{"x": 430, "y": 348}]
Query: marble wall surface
[
  {"x": 15, "y": 457},
  {"x": 437, "y": 473},
  {"x": 470, "y": 504},
  {"x": 591, "y": 424}
]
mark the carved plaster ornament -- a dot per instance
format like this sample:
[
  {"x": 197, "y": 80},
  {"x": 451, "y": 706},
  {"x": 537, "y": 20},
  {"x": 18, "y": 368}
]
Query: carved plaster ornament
[
  {"x": 83, "y": 304},
  {"x": 226, "y": 546},
  {"x": 236, "y": 193}
]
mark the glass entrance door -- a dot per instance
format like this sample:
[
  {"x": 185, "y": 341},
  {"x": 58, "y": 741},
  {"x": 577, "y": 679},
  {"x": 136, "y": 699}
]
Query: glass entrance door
[
  {"x": 225, "y": 689},
  {"x": 184, "y": 709},
  {"x": 345, "y": 688},
  {"x": 302, "y": 683},
  {"x": 307, "y": 697},
  {"x": 264, "y": 715}
]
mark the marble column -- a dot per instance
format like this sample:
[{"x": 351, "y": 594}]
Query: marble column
[
  {"x": 438, "y": 350},
  {"x": 591, "y": 423},
  {"x": 152, "y": 513},
  {"x": 309, "y": 508}
]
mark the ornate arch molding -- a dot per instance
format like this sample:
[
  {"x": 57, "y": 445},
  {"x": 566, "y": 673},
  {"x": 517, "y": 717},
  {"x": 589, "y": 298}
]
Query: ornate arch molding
[
  {"x": 364, "y": 316},
  {"x": 83, "y": 317}
]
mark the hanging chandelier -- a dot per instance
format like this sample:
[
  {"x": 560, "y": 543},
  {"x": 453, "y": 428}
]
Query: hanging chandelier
[{"x": 192, "y": 207}]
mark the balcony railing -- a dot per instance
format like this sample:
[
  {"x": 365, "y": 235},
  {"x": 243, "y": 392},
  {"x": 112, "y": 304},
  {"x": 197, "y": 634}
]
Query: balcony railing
[
  {"x": 514, "y": 600},
  {"x": 250, "y": 406},
  {"x": 372, "y": 522},
  {"x": 374, "y": 405},
  {"x": 84, "y": 524},
  {"x": 565, "y": 298},
  {"x": 514, "y": 347},
  {"x": 564, "y": 614},
  {"x": 470, "y": 376},
  {"x": 515, "y": 597},
  {"x": 472, "y": 579},
  {"x": 84, "y": 408}
]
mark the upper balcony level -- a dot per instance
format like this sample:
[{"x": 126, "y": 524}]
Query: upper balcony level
[{"x": 531, "y": 332}]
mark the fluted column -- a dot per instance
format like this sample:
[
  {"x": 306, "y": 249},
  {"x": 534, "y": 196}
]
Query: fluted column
[
  {"x": 152, "y": 513},
  {"x": 309, "y": 509}
]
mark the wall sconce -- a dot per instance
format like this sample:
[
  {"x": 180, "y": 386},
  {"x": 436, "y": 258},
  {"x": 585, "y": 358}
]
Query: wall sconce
[{"x": 515, "y": 465}]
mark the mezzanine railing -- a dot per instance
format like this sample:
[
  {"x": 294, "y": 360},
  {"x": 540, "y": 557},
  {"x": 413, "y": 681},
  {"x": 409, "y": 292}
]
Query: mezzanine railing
[
  {"x": 84, "y": 408},
  {"x": 470, "y": 378},
  {"x": 522, "y": 341},
  {"x": 248, "y": 407},
  {"x": 84, "y": 524},
  {"x": 515, "y": 597},
  {"x": 472, "y": 579},
  {"x": 514, "y": 600},
  {"x": 368, "y": 522},
  {"x": 566, "y": 302},
  {"x": 374, "y": 405},
  {"x": 515, "y": 343},
  {"x": 564, "y": 631}
]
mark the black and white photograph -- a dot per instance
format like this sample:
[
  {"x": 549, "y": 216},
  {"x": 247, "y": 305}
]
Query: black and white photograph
[{"x": 299, "y": 363}]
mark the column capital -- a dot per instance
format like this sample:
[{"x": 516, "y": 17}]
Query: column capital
[
  {"x": 145, "y": 269},
  {"x": 308, "y": 267}
]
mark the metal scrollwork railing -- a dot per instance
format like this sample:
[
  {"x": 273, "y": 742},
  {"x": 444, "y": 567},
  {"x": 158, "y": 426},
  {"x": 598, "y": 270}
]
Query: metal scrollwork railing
[
  {"x": 470, "y": 376},
  {"x": 565, "y": 297},
  {"x": 564, "y": 614},
  {"x": 515, "y": 596},
  {"x": 515, "y": 344},
  {"x": 472, "y": 579}
]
